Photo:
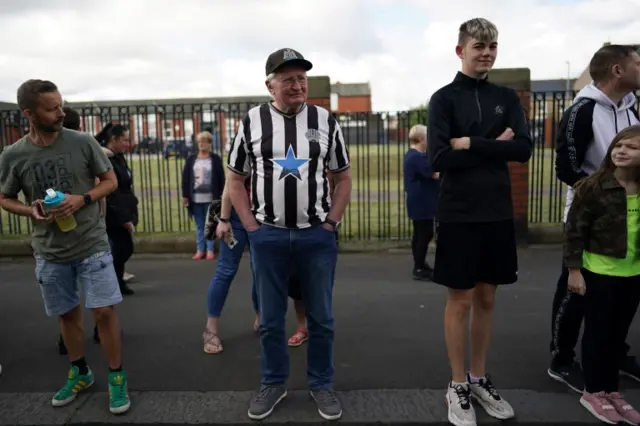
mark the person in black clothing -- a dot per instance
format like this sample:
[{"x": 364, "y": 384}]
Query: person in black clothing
[
  {"x": 71, "y": 119},
  {"x": 474, "y": 128},
  {"x": 122, "y": 204}
]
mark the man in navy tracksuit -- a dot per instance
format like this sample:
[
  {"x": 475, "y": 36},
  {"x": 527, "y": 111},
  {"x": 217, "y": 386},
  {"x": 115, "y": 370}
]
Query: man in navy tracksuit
[{"x": 421, "y": 189}]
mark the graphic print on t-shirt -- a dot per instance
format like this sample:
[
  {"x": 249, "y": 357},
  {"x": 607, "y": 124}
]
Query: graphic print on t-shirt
[
  {"x": 290, "y": 165},
  {"x": 202, "y": 176},
  {"x": 55, "y": 171},
  {"x": 202, "y": 181}
]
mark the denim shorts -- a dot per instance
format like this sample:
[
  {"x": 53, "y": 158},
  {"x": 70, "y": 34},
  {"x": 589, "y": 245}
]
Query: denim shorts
[{"x": 60, "y": 283}]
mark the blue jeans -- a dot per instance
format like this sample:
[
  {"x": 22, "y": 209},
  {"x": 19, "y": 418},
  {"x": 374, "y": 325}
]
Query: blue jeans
[
  {"x": 200, "y": 216},
  {"x": 60, "y": 283},
  {"x": 226, "y": 269},
  {"x": 274, "y": 254}
]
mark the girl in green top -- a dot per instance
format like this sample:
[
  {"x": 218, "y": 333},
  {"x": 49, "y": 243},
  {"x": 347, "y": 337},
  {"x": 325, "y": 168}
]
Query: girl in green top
[{"x": 602, "y": 252}]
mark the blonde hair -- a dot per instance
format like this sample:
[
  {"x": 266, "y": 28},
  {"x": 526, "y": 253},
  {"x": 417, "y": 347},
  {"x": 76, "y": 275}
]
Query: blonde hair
[
  {"x": 204, "y": 135},
  {"x": 477, "y": 29},
  {"x": 418, "y": 133}
]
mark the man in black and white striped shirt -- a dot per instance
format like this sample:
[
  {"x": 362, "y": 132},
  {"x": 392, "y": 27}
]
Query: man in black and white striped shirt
[{"x": 287, "y": 146}]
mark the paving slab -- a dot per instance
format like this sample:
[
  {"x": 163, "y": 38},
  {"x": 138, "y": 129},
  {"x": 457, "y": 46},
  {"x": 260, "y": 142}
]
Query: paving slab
[
  {"x": 390, "y": 358},
  {"x": 365, "y": 407}
]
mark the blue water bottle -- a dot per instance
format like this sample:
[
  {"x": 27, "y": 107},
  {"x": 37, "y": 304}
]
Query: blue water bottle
[{"x": 53, "y": 199}]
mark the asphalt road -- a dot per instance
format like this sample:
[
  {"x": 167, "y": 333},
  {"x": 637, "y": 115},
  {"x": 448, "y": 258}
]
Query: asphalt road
[{"x": 389, "y": 338}]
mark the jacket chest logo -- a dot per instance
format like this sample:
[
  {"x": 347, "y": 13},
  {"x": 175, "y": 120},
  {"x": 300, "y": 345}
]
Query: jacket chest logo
[{"x": 499, "y": 110}]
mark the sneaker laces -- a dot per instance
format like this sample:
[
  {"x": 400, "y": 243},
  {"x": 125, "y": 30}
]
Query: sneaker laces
[
  {"x": 263, "y": 394},
  {"x": 118, "y": 390},
  {"x": 72, "y": 377},
  {"x": 463, "y": 395},
  {"x": 325, "y": 397},
  {"x": 618, "y": 398},
  {"x": 488, "y": 386}
]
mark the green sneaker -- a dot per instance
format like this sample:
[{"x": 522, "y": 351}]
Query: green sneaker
[
  {"x": 118, "y": 392},
  {"x": 76, "y": 382}
]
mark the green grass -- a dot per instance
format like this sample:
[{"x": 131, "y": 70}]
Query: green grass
[
  {"x": 369, "y": 163},
  {"x": 377, "y": 208}
]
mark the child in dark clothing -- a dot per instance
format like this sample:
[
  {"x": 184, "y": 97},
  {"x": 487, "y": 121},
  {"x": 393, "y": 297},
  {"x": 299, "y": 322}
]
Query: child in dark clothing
[{"x": 421, "y": 188}]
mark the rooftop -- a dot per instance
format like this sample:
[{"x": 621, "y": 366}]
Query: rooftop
[
  {"x": 351, "y": 89},
  {"x": 555, "y": 85}
]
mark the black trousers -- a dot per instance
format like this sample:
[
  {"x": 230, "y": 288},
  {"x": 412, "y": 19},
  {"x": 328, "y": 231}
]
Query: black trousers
[
  {"x": 610, "y": 304},
  {"x": 567, "y": 314},
  {"x": 121, "y": 242},
  {"x": 422, "y": 236}
]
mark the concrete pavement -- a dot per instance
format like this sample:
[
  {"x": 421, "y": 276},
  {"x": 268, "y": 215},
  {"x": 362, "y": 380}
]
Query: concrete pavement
[{"x": 391, "y": 365}]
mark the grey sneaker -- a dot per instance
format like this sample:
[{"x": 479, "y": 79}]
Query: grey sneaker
[
  {"x": 265, "y": 401},
  {"x": 488, "y": 397},
  {"x": 328, "y": 403},
  {"x": 460, "y": 412}
]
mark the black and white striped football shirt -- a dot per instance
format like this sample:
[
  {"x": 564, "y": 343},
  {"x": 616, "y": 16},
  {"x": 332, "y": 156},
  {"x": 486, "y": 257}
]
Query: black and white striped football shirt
[{"x": 288, "y": 158}]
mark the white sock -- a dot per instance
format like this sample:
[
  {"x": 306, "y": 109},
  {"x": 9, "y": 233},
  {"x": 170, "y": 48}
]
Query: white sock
[{"x": 475, "y": 379}]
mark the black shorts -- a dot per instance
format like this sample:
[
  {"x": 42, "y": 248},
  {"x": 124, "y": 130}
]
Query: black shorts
[{"x": 467, "y": 253}]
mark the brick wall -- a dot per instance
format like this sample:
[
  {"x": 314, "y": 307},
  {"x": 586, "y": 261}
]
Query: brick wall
[
  {"x": 324, "y": 102},
  {"x": 354, "y": 104},
  {"x": 520, "y": 184},
  {"x": 519, "y": 79},
  {"x": 549, "y": 123}
]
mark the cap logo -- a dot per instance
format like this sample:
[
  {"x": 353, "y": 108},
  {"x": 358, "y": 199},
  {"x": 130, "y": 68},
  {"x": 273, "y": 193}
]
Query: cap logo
[{"x": 289, "y": 55}]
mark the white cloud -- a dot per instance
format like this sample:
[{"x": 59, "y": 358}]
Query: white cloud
[{"x": 195, "y": 48}]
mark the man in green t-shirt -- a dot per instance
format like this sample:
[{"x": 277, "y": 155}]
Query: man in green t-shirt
[{"x": 52, "y": 157}]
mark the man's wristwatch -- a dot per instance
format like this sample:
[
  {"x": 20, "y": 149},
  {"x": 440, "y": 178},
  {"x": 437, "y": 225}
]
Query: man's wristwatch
[
  {"x": 223, "y": 220},
  {"x": 87, "y": 199},
  {"x": 333, "y": 223}
]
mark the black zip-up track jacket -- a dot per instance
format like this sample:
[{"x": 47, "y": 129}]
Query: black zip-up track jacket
[{"x": 475, "y": 185}]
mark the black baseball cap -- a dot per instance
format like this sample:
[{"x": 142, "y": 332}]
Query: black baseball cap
[{"x": 286, "y": 56}]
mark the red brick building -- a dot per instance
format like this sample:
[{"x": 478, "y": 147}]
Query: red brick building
[
  {"x": 169, "y": 119},
  {"x": 351, "y": 97}
]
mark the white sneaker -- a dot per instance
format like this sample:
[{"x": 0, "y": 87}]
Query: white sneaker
[
  {"x": 126, "y": 277},
  {"x": 488, "y": 397},
  {"x": 460, "y": 410}
]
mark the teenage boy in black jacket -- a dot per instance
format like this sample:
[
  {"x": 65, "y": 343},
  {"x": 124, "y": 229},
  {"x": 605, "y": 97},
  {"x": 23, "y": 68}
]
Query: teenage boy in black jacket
[{"x": 474, "y": 128}]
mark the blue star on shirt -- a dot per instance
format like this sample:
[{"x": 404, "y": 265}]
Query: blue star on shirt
[{"x": 290, "y": 165}]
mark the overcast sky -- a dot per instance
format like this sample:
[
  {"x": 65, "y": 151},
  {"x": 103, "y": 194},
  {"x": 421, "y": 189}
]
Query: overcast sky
[{"x": 141, "y": 49}]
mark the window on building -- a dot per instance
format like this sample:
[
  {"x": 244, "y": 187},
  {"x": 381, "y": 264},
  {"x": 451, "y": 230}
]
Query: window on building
[{"x": 334, "y": 101}]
